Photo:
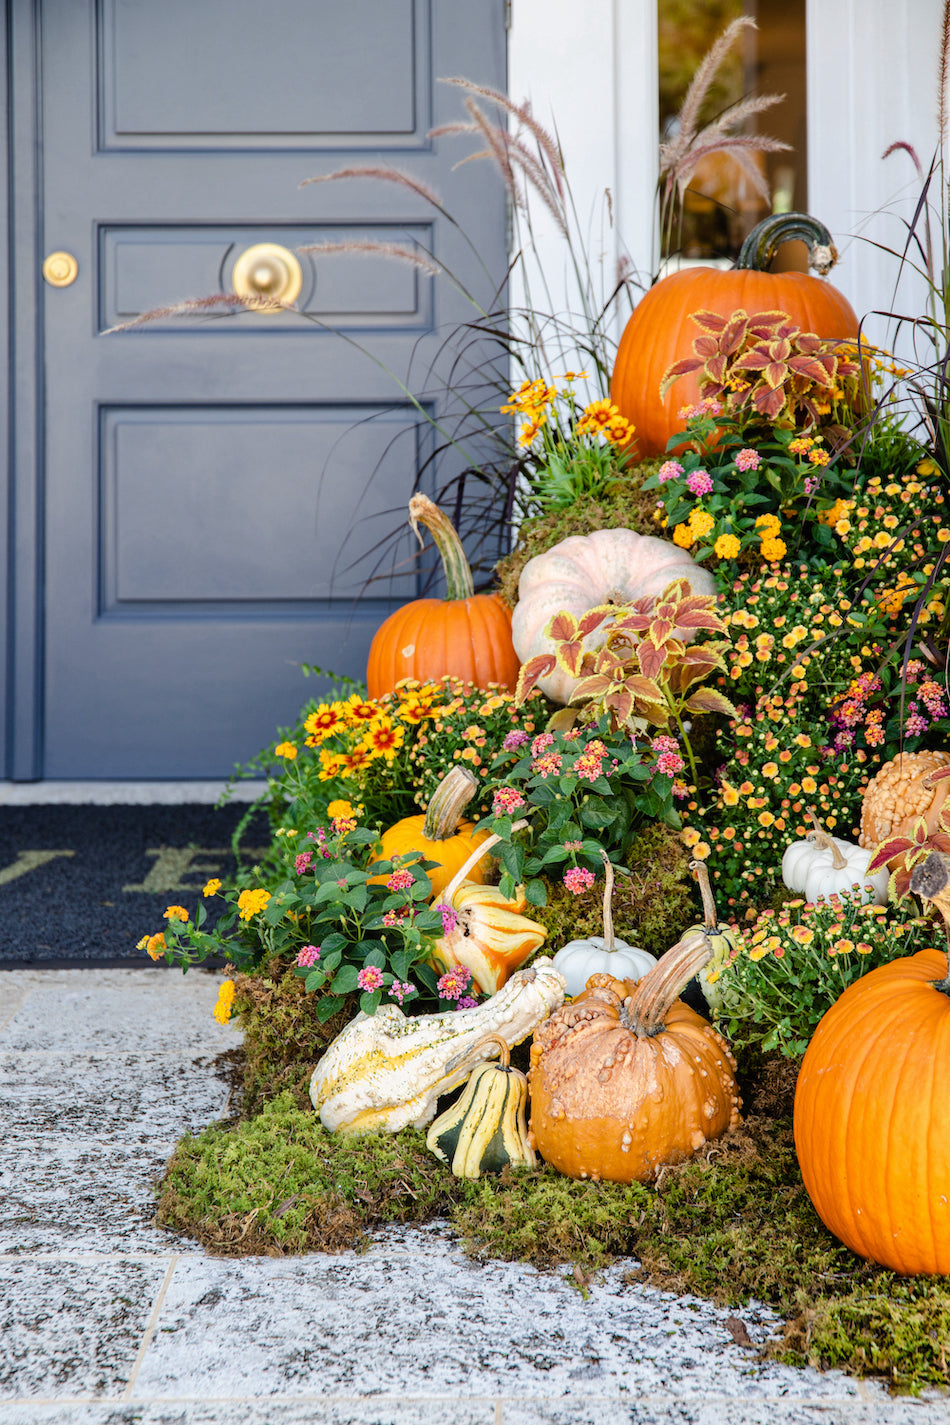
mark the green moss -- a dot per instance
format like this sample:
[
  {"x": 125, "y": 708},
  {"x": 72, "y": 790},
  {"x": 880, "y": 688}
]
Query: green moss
[
  {"x": 283, "y": 1037},
  {"x": 731, "y": 1225},
  {"x": 652, "y": 906},
  {"x": 623, "y": 505}
]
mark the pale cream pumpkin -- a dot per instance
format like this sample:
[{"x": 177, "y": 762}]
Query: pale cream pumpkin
[{"x": 584, "y": 571}]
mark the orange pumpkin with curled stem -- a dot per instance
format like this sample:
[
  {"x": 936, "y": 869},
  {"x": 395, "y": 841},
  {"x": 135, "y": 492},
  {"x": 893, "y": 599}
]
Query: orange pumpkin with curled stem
[
  {"x": 465, "y": 635},
  {"x": 659, "y": 333},
  {"x": 439, "y": 834},
  {"x": 872, "y": 1105},
  {"x": 627, "y": 1078}
]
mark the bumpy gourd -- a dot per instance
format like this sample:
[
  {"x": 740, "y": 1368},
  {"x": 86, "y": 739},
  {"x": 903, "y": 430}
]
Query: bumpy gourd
[
  {"x": 626, "y": 1078},
  {"x": 386, "y": 1071},
  {"x": 490, "y": 936},
  {"x": 485, "y": 1129},
  {"x": 910, "y": 785},
  {"x": 583, "y": 571},
  {"x": 602, "y": 954},
  {"x": 824, "y": 865}
]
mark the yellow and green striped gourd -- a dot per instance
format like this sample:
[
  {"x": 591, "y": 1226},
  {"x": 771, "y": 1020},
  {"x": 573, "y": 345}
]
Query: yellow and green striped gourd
[{"x": 485, "y": 1129}]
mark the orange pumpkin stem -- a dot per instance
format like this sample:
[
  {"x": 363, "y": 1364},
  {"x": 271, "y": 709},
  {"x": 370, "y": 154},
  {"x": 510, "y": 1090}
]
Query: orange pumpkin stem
[
  {"x": 447, "y": 803},
  {"x": 821, "y": 839},
  {"x": 930, "y": 880},
  {"x": 458, "y": 574},
  {"x": 645, "y": 1011}
]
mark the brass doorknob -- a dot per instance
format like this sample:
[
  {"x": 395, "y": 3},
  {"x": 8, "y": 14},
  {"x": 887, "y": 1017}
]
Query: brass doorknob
[
  {"x": 268, "y": 270},
  {"x": 60, "y": 269}
]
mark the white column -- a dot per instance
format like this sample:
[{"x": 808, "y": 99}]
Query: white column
[{"x": 872, "y": 81}]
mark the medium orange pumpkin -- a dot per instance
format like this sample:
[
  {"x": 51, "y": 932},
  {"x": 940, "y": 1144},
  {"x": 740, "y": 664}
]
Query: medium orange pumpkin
[
  {"x": 659, "y": 331},
  {"x": 439, "y": 833},
  {"x": 465, "y": 635},
  {"x": 627, "y": 1078},
  {"x": 872, "y": 1105}
]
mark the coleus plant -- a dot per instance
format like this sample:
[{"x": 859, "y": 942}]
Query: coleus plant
[
  {"x": 644, "y": 667},
  {"x": 766, "y": 366}
]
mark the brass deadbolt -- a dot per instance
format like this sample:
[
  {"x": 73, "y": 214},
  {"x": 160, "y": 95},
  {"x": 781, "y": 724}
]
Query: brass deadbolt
[
  {"x": 60, "y": 269},
  {"x": 268, "y": 270}
]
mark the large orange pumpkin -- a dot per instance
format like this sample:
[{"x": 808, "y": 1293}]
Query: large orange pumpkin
[
  {"x": 660, "y": 333},
  {"x": 465, "y": 635},
  {"x": 872, "y": 1107},
  {"x": 627, "y": 1078}
]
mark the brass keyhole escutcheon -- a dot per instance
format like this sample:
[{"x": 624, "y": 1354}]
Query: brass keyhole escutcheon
[
  {"x": 60, "y": 269},
  {"x": 268, "y": 271}
]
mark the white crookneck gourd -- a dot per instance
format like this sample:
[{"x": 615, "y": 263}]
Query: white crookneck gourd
[
  {"x": 602, "y": 954},
  {"x": 385, "y": 1071},
  {"x": 486, "y": 1129}
]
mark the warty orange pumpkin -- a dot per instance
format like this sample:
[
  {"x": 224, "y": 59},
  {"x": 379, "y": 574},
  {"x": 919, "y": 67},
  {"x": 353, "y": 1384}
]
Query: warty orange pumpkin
[
  {"x": 627, "y": 1078},
  {"x": 465, "y": 635},
  {"x": 659, "y": 333}
]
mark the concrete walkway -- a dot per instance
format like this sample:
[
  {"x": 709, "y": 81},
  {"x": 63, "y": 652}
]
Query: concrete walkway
[{"x": 107, "y": 1320}]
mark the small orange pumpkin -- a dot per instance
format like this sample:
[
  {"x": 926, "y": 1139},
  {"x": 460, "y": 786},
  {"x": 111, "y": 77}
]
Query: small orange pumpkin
[
  {"x": 872, "y": 1106},
  {"x": 659, "y": 332},
  {"x": 627, "y": 1078},
  {"x": 439, "y": 833},
  {"x": 465, "y": 635}
]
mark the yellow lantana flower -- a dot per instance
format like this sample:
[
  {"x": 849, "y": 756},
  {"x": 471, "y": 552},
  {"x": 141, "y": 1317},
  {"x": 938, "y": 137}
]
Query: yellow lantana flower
[
  {"x": 175, "y": 912},
  {"x": 251, "y": 903}
]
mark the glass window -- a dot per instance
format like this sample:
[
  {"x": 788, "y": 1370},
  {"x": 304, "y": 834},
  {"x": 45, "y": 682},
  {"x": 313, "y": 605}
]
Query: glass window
[{"x": 722, "y": 202}]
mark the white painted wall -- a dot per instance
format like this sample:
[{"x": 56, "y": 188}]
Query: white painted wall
[{"x": 871, "y": 80}]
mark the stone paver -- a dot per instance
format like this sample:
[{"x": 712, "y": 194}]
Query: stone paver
[{"x": 107, "y": 1320}]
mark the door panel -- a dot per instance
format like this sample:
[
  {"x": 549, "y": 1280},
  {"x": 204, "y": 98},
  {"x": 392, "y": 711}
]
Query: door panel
[{"x": 215, "y": 490}]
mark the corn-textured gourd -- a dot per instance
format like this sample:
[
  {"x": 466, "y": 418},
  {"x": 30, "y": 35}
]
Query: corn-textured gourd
[
  {"x": 872, "y": 1105},
  {"x": 910, "y": 785},
  {"x": 484, "y": 930},
  {"x": 584, "y": 571},
  {"x": 626, "y": 1078},
  {"x": 465, "y": 635},
  {"x": 659, "y": 333},
  {"x": 386, "y": 1071},
  {"x": 485, "y": 1129},
  {"x": 439, "y": 834}
]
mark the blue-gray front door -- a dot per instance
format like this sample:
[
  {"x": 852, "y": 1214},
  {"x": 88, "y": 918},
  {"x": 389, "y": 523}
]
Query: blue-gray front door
[{"x": 206, "y": 489}]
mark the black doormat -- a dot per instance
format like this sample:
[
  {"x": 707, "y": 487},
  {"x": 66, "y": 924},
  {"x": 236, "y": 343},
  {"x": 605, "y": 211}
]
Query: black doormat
[{"x": 81, "y": 885}]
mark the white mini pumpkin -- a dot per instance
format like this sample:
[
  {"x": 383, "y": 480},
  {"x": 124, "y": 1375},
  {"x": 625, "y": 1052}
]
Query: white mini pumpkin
[
  {"x": 608, "y": 565},
  {"x": 824, "y": 865},
  {"x": 602, "y": 954}
]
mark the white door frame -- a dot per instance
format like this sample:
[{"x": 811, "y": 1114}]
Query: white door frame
[{"x": 872, "y": 80}]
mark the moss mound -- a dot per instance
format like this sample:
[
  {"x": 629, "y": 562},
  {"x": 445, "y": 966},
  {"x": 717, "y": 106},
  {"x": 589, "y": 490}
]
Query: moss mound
[
  {"x": 732, "y": 1224},
  {"x": 623, "y": 505}
]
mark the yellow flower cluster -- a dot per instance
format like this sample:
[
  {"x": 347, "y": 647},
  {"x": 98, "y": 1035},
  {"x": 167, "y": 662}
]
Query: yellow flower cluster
[
  {"x": 898, "y": 521},
  {"x": 222, "y": 1010},
  {"x": 699, "y": 524},
  {"x": 767, "y": 528},
  {"x": 600, "y": 418},
  {"x": 251, "y": 903}
]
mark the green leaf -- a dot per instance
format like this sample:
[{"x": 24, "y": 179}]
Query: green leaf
[
  {"x": 328, "y": 1007},
  {"x": 369, "y": 1001},
  {"x": 314, "y": 981},
  {"x": 346, "y": 979},
  {"x": 536, "y": 892}
]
